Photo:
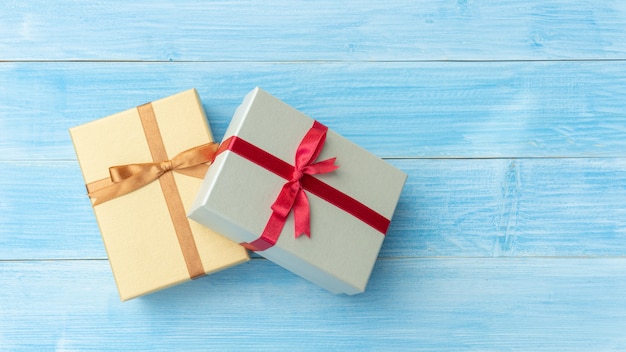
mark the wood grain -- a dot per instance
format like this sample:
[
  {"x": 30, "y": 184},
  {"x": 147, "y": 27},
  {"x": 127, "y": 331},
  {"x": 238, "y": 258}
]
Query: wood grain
[
  {"x": 477, "y": 110},
  {"x": 411, "y": 304},
  {"x": 254, "y": 30},
  {"x": 449, "y": 208},
  {"x": 508, "y": 116}
]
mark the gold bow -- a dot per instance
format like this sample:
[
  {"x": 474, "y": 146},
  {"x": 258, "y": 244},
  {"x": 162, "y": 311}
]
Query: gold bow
[{"x": 128, "y": 178}]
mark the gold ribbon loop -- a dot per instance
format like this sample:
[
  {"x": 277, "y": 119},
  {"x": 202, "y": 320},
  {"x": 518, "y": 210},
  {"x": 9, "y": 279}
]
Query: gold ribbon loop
[{"x": 131, "y": 177}]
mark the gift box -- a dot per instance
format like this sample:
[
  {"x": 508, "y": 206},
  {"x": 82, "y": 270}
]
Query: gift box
[
  {"x": 142, "y": 168},
  {"x": 299, "y": 194}
]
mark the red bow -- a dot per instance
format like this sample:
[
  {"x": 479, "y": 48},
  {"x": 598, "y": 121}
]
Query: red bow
[
  {"x": 292, "y": 195},
  {"x": 299, "y": 178}
]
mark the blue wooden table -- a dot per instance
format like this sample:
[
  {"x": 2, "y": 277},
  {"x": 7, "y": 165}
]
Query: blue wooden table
[{"x": 508, "y": 116}]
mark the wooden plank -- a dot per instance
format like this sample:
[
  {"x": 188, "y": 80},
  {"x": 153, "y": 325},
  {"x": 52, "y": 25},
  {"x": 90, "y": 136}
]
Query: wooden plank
[
  {"x": 510, "y": 207},
  {"x": 45, "y": 213},
  {"x": 449, "y": 207},
  {"x": 462, "y": 109},
  {"x": 574, "y": 304},
  {"x": 292, "y": 31}
]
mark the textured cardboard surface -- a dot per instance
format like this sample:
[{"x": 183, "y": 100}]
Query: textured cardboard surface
[
  {"x": 236, "y": 195},
  {"x": 136, "y": 228}
]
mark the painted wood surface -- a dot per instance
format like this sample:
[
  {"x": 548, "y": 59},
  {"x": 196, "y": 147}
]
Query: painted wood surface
[
  {"x": 449, "y": 208},
  {"x": 509, "y": 117},
  {"x": 256, "y": 30},
  {"x": 512, "y": 109},
  {"x": 551, "y": 304}
]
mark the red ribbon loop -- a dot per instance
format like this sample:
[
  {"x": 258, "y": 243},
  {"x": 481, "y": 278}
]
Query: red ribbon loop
[{"x": 292, "y": 196}]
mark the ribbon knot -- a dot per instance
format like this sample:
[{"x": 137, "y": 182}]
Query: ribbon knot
[
  {"x": 292, "y": 196},
  {"x": 297, "y": 175},
  {"x": 166, "y": 166},
  {"x": 131, "y": 177}
]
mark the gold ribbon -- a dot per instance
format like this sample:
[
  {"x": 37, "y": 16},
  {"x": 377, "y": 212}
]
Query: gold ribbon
[
  {"x": 128, "y": 178},
  {"x": 131, "y": 177}
]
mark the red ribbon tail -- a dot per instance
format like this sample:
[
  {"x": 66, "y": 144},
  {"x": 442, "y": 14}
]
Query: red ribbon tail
[
  {"x": 302, "y": 215},
  {"x": 286, "y": 199}
]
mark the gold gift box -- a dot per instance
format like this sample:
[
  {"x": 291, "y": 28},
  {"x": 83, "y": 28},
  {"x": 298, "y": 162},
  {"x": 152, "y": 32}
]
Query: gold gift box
[{"x": 150, "y": 243}]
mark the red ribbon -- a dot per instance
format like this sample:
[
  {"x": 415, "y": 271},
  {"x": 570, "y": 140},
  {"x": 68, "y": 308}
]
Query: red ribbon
[{"x": 299, "y": 179}]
